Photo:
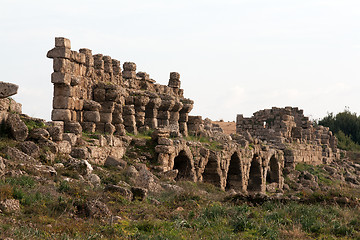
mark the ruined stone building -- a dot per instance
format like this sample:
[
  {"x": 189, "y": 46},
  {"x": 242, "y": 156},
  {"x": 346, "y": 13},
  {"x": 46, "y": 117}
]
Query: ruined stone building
[{"x": 93, "y": 94}]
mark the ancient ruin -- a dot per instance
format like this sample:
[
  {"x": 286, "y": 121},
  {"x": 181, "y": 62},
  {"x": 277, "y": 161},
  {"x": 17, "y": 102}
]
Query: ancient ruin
[{"x": 96, "y": 99}]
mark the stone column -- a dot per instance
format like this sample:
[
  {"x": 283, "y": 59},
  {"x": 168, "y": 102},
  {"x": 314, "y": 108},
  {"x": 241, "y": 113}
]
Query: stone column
[
  {"x": 151, "y": 111},
  {"x": 184, "y": 113},
  {"x": 140, "y": 102},
  {"x": 99, "y": 66},
  {"x": 167, "y": 102}
]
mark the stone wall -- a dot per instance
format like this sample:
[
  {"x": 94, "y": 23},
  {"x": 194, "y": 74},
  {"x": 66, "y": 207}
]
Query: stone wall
[
  {"x": 289, "y": 130},
  {"x": 94, "y": 91}
]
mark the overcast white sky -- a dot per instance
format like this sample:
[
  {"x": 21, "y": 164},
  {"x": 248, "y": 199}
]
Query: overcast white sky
[{"x": 234, "y": 56}]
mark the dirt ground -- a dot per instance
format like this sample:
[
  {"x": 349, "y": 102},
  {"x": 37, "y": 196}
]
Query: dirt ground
[{"x": 228, "y": 127}]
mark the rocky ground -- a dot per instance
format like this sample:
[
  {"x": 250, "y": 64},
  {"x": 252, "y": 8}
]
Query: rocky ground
[{"x": 48, "y": 192}]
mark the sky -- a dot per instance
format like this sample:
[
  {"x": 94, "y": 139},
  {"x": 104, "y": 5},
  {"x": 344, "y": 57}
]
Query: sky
[{"x": 233, "y": 56}]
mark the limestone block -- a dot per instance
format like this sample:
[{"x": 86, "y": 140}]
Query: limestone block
[
  {"x": 98, "y": 61},
  {"x": 59, "y": 77},
  {"x": 73, "y": 127},
  {"x": 80, "y": 153},
  {"x": 61, "y": 65},
  {"x": 174, "y": 117},
  {"x": 129, "y": 66},
  {"x": 174, "y": 83},
  {"x": 91, "y": 105},
  {"x": 56, "y": 132},
  {"x": 63, "y": 90},
  {"x": 151, "y": 113},
  {"x": 177, "y": 106},
  {"x": 71, "y": 138},
  {"x": 129, "y": 120},
  {"x": 89, "y": 127},
  {"x": 116, "y": 66},
  {"x": 165, "y": 141},
  {"x": 60, "y": 102},
  {"x": 183, "y": 128},
  {"x": 105, "y": 117},
  {"x": 120, "y": 130},
  {"x": 99, "y": 95},
  {"x": 117, "y": 118},
  {"x": 164, "y": 149},
  {"x": 128, "y": 110},
  {"x": 175, "y": 75},
  {"x": 61, "y": 115},
  {"x": 109, "y": 128},
  {"x": 62, "y": 42},
  {"x": 143, "y": 75},
  {"x": 78, "y": 104},
  {"x": 91, "y": 116},
  {"x": 163, "y": 115},
  {"x": 64, "y": 147},
  {"x": 129, "y": 74},
  {"x": 183, "y": 118},
  {"x": 107, "y": 107},
  {"x": 141, "y": 101},
  {"x": 112, "y": 95},
  {"x": 59, "y": 52},
  {"x": 18, "y": 129},
  {"x": 7, "y": 89}
]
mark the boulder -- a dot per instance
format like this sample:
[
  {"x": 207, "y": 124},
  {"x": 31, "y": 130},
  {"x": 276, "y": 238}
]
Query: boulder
[
  {"x": 30, "y": 148},
  {"x": 114, "y": 162},
  {"x": 18, "y": 129},
  {"x": 39, "y": 134},
  {"x": 15, "y": 154},
  {"x": 126, "y": 193},
  {"x": 80, "y": 152},
  {"x": 7, "y": 89},
  {"x": 97, "y": 209}
]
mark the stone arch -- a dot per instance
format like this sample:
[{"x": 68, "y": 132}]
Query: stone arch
[
  {"x": 273, "y": 171},
  {"x": 255, "y": 175},
  {"x": 211, "y": 171},
  {"x": 183, "y": 163},
  {"x": 234, "y": 178}
]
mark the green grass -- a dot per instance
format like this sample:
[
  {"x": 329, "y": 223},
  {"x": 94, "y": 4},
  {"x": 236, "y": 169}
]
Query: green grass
[
  {"x": 32, "y": 124},
  {"x": 210, "y": 144}
]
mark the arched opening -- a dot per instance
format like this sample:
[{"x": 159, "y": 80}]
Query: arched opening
[
  {"x": 211, "y": 174},
  {"x": 273, "y": 171},
  {"x": 255, "y": 179},
  {"x": 183, "y": 164},
  {"x": 234, "y": 176}
]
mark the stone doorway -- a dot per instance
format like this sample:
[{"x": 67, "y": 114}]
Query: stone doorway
[
  {"x": 272, "y": 175},
  {"x": 211, "y": 174},
  {"x": 183, "y": 164},
  {"x": 234, "y": 176},
  {"x": 255, "y": 178}
]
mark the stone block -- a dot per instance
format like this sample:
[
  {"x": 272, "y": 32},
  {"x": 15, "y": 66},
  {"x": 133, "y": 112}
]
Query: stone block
[
  {"x": 62, "y": 42},
  {"x": 80, "y": 153},
  {"x": 91, "y": 105},
  {"x": 174, "y": 83},
  {"x": 59, "y": 52},
  {"x": 18, "y": 129},
  {"x": 73, "y": 127},
  {"x": 7, "y": 89},
  {"x": 129, "y": 74},
  {"x": 88, "y": 127},
  {"x": 105, "y": 117},
  {"x": 117, "y": 118},
  {"x": 184, "y": 118},
  {"x": 71, "y": 138},
  {"x": 91, "y": 116},
  {"x": 60, "y": 102},
  {"x": 112, "y": 95},
  {"x": 56, "y": 132},
  {"x": 129, "y": 120},
  {"x": 98, "y": 61},
  {"x": 129, "y": 66},
  {"x": 109, "y": 128},
  {"x": 99, "y": 94},
  {"x": 64, "y": 147},
  {"x": 143, "y": 75},
  {"x": 63, "y": 90},
  {"x": 120, "y": 130},
  {"x": 128, "y": 110},
  {"x": 163, "y": 115},
  {"x": 61, "y": 115},
  {"x": 107, "y": 107},
  {"x": 151, "y": 122},
  {"x": 61, "y": 65},
  {"x": 78, "y": 104},
  {"x": 59, "y": 77},
  {"x": 175, "y": 75}
]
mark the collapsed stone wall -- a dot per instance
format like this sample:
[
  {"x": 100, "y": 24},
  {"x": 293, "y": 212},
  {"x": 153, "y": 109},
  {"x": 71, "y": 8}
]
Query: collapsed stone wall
[
  {"x": 289, "y": 130},
  {"x": 92, "y": 91}
]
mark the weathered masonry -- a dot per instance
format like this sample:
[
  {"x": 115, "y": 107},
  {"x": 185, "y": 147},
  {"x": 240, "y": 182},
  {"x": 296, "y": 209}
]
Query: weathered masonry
[
  {"x": 93, "y": 91},
  {"x": 93, "y": 94}
]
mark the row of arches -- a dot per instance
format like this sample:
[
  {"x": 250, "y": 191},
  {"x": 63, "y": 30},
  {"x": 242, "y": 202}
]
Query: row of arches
[{"x": 240, "y": 176}]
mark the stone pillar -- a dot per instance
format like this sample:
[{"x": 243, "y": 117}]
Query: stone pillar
[
  {"x": 129, "y": 118},
  {"x": 108, "y": 69},
  {"x": 151, "y": 111},
  {"x": 174, "y": 118},
  {"x": 184, "y": 113},
  {"x": 116, "y": 72},
  {"x": 99, "y": 66},
  {"x": 140, "y": 102},
  {"x": 167, "y": 103}
]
